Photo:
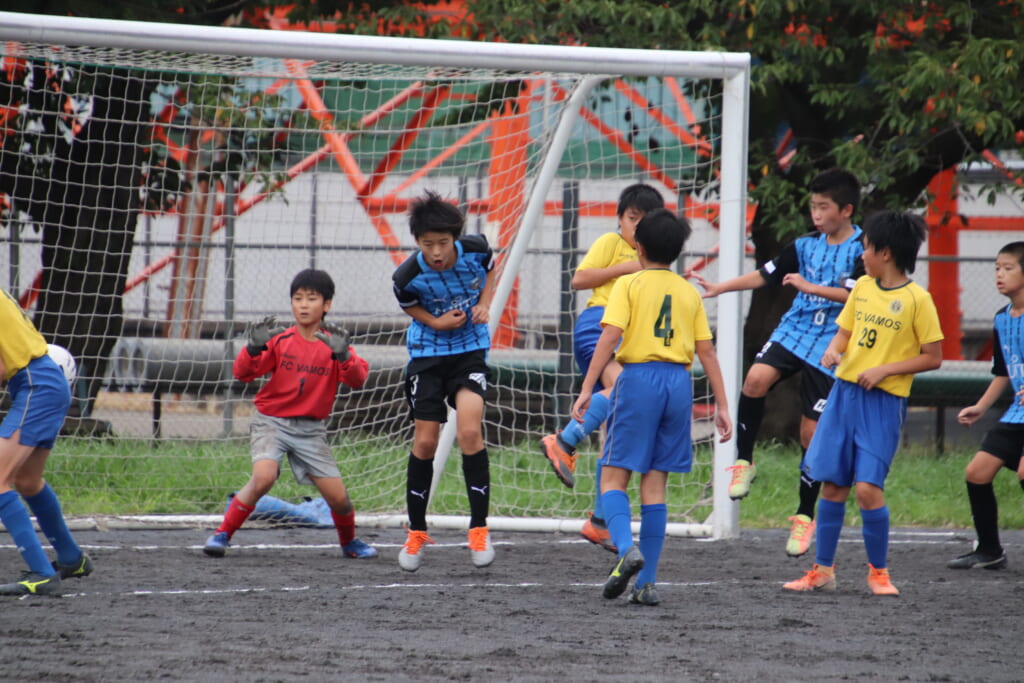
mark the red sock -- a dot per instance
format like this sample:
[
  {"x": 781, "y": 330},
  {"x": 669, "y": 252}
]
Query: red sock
[
  {"x": 346, "y": 526},
  {"x": 235, "y": 516}
]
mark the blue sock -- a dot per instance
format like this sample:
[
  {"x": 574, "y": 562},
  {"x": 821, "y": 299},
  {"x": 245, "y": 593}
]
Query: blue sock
[
  {"x": 46, "y": 508},
  {"x": 653, "y": 519},
  {"x": 619, "y": 519},
  {"x": 596, "y": 414},
  {"x": 19, "y": 525},
  {"x": 598, "y": 506},
  {"x": 826, "y": 539},
  {"x": 875, "y": 530}
]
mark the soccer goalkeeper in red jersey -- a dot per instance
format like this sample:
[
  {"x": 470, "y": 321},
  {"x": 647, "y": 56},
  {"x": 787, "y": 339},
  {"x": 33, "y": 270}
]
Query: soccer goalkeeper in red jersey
[{"x": 307, "y": 362}]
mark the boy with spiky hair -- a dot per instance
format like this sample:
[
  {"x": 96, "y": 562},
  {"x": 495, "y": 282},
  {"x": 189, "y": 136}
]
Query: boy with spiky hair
[
  {"x": 822, "y": 268},
  {"x": 446, "y": 288},
  {"x": 660, "y": 320},
  {"x": 609, "y": 258},
  {"x": 306, "y": 362},
  {"x": 1004, "y": 443},
  {"x": 888, "y": 331}
]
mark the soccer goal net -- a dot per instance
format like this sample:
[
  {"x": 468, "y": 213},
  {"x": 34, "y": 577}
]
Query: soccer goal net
[{"x": 161, "y": 186}]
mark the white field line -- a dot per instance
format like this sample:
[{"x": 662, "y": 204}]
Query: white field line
[
  {"x": 212, "y": 592},
  {"x": 895, "y": 538},
  {"x": 432, "y": 585}
]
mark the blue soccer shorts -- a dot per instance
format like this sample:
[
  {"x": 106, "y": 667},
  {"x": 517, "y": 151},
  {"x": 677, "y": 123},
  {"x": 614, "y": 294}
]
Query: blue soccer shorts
[
  {"x": 857, "y": 436},
  {"x": 585, "y": 336},
  {"x": 584, "y": 339},
  {"x": 650, "y": 418},
  {"x": 40, "y": 397}
]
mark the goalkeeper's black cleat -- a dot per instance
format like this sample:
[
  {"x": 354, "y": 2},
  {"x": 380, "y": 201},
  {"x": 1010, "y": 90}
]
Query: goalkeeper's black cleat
[
  {"x": 628, "y": 565},
  {"x": 75, "y": 570},
  {"x": 32, "y": 583}
]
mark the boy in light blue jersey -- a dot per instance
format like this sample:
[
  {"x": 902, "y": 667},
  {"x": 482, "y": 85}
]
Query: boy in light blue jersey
[
  {"x": 822, "y": 268},
  {"x": 1004, "y": 443},
  {"x": 446, "y": 288},
  {"x": 659, "y": 318}
]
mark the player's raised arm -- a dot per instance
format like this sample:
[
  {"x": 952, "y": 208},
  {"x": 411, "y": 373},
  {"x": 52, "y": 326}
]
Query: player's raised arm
[{"x": 751, "y": 280}]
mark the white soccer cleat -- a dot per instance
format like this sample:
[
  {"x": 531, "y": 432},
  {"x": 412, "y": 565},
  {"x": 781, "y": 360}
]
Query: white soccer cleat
[
  {"x": 480, "y": 547},
  {"x": 411, "y": 555}
]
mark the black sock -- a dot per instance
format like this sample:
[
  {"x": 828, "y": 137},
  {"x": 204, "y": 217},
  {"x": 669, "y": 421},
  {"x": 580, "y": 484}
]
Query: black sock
[
  {"x": 809, "y": 490},
  {"x": 476, "y": 470},
  {"x": 418, "y": 476},
  {"x": 985, "y": 513},
  {"x": 748, "y": 422}
]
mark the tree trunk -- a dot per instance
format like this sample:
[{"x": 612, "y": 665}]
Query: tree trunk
[{"x": 89, "y": 227}]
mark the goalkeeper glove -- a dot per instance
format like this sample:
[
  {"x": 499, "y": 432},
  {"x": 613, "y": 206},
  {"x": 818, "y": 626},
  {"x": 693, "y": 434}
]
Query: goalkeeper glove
[
  {"x": 337, "y": 341},
  {"x": 260, "y": 333}
]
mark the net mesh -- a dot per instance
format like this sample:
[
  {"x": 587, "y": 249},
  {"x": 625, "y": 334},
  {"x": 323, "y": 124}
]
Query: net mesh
[{"x": 162, "y": 200}]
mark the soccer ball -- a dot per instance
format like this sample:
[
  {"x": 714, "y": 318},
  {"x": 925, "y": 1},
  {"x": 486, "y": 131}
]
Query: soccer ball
[{"x": 65, "y": 361}]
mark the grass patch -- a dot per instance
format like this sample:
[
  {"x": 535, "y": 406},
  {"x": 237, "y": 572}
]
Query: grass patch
[
  {"x": 924, "y": 488},
  {"x": 118, "y": 477}
]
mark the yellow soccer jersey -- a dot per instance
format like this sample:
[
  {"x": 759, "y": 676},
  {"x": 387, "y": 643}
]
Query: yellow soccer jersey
[
  {"x": 661, "y": 314},
  {"x": 886, "y": 326},
  {"x": 20, "y": 342},
  {"x": 609, "y": 249}
]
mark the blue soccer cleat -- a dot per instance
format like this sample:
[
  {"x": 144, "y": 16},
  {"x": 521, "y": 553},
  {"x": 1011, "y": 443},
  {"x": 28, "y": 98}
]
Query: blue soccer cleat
[
  {"x": 359, "y": 550},
  {"x": 217, "y": 544}
]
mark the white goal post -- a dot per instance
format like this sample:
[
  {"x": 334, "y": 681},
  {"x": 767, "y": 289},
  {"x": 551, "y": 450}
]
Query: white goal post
[{"x": 270, "y": 151}]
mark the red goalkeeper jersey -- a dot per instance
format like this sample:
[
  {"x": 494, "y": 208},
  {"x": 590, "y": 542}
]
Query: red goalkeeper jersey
[{"x": 304, "y": 377}]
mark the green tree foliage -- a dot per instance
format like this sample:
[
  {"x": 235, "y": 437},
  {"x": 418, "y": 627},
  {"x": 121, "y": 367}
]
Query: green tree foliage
[{"x": 895, "y": 91}]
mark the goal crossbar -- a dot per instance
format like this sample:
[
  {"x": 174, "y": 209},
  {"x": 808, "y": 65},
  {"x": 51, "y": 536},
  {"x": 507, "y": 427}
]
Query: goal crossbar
[{"x": 139, "y": 35}]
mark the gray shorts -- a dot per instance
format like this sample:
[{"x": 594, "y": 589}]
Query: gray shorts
[{"x": 302, "y": 439}]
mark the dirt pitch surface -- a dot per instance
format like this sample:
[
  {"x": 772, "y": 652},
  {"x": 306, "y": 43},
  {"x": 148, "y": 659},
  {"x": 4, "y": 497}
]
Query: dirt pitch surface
[{"x": 283, "y": 605}]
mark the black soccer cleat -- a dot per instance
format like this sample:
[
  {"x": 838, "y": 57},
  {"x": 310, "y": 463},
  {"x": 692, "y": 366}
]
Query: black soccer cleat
[
  {"x": 75, "y": 570},
  {"x": 628, "y": 565},
  {"x": 978, "y": 560},
  {"x": 644, "y": 595},
  {"x": 32, "y": 583}
]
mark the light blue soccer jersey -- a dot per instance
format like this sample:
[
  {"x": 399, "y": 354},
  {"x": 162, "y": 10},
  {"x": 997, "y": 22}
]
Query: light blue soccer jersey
[
  {"x": 439, "y": 291},
  {"x": 810, "y": 323},
  {"x": 1008, "y": 358}
]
